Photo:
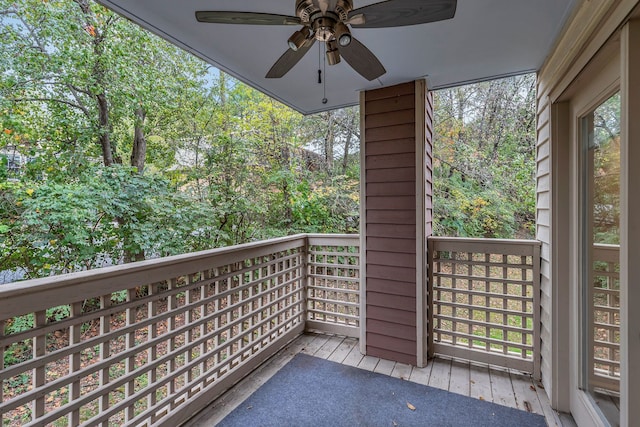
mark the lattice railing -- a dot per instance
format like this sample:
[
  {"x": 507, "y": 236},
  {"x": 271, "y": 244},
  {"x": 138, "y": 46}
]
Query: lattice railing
[
  {"x": 333, "y": 289},
  {"x": 150, "y": 342},
  {"x": 485, "y": 295},
  {"x": 606, "y": 317}
]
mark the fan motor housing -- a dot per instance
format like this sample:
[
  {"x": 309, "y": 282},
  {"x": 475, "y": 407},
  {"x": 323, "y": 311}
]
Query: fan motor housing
[{"x": 307, "y": 11}]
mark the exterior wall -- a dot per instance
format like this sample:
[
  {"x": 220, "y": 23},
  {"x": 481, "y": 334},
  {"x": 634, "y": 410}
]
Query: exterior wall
[
  {"x": 428, "y": 174},
  {"x": 543, "y": 231},
  {"x": 392, "y": 219},
  {"x": 585, "y": 32},
  {"x": 428, "y": 210}
]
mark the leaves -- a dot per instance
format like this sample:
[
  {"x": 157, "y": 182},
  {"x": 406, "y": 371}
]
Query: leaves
[
  {"x": 224, "y": 164},
  {"x": 484, "y": 167},
  {"x": 410, "y": 406}
]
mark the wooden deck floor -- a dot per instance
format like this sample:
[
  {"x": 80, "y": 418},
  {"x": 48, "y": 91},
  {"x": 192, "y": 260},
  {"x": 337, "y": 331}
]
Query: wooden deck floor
[{"x": 496, "y": 385}]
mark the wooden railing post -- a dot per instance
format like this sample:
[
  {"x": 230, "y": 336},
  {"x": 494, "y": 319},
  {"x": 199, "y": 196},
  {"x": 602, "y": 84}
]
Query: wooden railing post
[
  {"x": 537, "y": 310},
  {"x": 429, "y": 308},
  {"x": 75, "y": 335},
  {"x": 39, "y": 372}
]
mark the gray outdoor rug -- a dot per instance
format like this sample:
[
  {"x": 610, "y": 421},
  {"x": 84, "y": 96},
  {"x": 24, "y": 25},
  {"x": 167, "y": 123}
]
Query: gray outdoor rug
[{"x": 309, "y": 391}]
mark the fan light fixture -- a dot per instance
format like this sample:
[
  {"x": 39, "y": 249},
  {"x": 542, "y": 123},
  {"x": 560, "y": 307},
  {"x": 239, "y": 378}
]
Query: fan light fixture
[
  {"x": 343, "y": 35},
  {"x": 333, "y": 56},
  {"x": 297, "y": 40}
]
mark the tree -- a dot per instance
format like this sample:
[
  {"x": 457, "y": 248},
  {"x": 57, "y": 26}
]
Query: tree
[{"x": 484, "y": 169}]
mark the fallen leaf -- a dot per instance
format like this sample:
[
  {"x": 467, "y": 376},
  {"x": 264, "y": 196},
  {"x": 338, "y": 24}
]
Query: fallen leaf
[
  {"x": 473, "y": 382},
  {"x": 532, "y": 388},
  {"x": 410, "y": 406},
  {"x": 528, "y": 407},
  {"x": 481, "y": 398}
]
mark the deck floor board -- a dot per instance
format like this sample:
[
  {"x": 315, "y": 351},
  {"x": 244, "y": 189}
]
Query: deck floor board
[
  {"x": 421, "y": 375},
  {"x": 329, "y": 347},
  {"x": 526, "y": 395},
  {"x": 502, "y": 388},
  {"x": 440, "y": 374},
  {"x": 354, "y": 357},
  {"x": 343, "y": 350},
  {"x": 460, "y": 378},
  {"x": 369, "y": 363},
  {"x": 402, "y": 371},
  {"x": 478, "y": 381},
  {"x": 385, "y": 367}
]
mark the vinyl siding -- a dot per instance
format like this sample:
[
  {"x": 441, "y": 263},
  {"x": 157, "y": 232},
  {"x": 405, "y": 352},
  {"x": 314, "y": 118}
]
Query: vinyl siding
[
  {"x": 543, "y": 233},
  {"x": 390, "y": 222}
]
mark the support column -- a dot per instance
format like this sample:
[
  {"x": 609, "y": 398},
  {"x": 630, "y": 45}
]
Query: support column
[
  {"x": 396, "y": 211},
  {"x": 630, "y": 226}
]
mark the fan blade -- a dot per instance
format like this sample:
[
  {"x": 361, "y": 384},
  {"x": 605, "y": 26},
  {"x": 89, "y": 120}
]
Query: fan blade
[
  {"x": 356, "y": 20},
  {"x": 288, "y": 60},
  {"x": 362, "y": 60},
  {"x": 248, "y": 18},
  {"x": 325, "y": 5},
  {"x": 398, "y": 13}
]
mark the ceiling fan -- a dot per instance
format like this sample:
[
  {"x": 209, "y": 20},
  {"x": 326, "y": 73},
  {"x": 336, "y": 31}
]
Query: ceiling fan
[{"x": 328, "y": 21}]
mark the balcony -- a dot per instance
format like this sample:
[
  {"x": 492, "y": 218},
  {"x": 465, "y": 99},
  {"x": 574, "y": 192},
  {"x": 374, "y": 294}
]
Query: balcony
[{"x": 155, "y": 342}]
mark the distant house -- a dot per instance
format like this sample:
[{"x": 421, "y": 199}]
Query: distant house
[{"x": 14, "y": 161}]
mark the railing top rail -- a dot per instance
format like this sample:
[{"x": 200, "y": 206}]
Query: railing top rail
[
  {"x": 332, "y": 236},
  {"x": 606, "y": 246},
  {"x": 333, "y": 239},
  {"x": 606, "y": 253},
  {"x": 494, "y": 246},
  {"x": 62, "y": 289},
  {"x": 485, "y": 240}
]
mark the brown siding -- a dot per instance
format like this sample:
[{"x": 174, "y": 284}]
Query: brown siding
[
  {"x": 409, "y": 359},
  {"x": 390, "y": 216},
  {"x": 388, "y": 287}
]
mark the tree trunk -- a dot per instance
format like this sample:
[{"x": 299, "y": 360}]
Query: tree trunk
[
  {"x": 347, "y": 147},
  {"x": 108, "y": 156},
  {"x": 139, "y": 149},
  {"x": 328, "y": 142}
]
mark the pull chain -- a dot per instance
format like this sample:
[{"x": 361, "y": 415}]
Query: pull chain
[
  {"x": 319, "y": 64},
  {"x": 324, "y": 87}
]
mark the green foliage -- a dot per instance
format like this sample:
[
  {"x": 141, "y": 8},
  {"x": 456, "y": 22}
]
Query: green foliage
[
  {"x": 3, "y": 170},
  {"x": 95, "y": 220},
  {"x": 606, "y": 172},
  {"x": 330, "y": 208},
  {"x": 484, "y": 166}
]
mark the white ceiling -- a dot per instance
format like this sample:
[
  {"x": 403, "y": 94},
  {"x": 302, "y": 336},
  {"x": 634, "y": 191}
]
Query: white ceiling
[{"x": 486, "y": 39}]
